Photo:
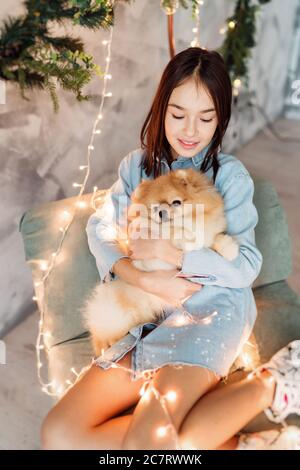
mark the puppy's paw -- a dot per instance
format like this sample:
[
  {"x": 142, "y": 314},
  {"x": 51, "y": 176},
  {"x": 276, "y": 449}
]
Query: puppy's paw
[{"x": 226, "y": 246}]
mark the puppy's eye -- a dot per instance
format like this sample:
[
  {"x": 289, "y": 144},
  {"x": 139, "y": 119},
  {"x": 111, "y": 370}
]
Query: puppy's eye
[{"x": 177, "y": 202}]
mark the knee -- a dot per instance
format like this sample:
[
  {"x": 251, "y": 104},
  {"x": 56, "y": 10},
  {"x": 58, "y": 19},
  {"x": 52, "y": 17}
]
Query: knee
[{"x": 56, "y": 434}]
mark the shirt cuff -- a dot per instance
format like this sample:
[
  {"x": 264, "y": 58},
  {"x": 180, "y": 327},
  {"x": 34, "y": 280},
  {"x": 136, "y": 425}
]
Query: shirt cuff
[
  {"x": 189, "y": 269},
  {"x": 106, "y": 273}
]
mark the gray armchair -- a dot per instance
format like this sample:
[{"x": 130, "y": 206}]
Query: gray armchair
[{"x": 76, "y": 274}]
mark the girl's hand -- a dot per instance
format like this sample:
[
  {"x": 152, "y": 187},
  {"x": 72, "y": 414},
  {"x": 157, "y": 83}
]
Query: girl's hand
[
  {"x": 148, "y": 248},
  {"x": 142, "y": 248},
  {"x": 173, "y": 290}
]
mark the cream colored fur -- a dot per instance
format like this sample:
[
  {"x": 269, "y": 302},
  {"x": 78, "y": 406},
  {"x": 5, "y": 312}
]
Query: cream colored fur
[{"x": 114, "y": 307}]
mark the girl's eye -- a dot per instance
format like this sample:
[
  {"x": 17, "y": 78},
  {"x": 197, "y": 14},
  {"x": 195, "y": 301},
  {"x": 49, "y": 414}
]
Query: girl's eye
[{"x": 181, "y": 117}]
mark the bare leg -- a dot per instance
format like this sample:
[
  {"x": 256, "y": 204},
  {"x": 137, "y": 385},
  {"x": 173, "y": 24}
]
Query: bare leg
[
  {"x": 247, "y": 397},
  {"x": 111, "y": 434},
  {"x": 221, "y": 413},
  {"x": 75, "y": 420},
  {"x": 188, "y": 383}
]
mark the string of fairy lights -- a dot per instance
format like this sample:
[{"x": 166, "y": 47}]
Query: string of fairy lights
[
  {"x": 43, "y": 341},
  {"x": 44, "y": 337},
  {"x": 237, "y": 83}
]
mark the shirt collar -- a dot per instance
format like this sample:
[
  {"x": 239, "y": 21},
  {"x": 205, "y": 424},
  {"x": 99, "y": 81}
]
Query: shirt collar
[{"x": 196, "y": 159}]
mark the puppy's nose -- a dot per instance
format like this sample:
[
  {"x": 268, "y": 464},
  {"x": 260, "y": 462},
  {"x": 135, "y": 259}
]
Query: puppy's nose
[{"x": 163, "y": 214}]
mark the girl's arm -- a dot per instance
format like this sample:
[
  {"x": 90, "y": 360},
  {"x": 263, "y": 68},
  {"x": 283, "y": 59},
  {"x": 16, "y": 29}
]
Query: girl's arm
[
  {"x": 209, "y": 267},
  {"x": 101, "y": 236}
]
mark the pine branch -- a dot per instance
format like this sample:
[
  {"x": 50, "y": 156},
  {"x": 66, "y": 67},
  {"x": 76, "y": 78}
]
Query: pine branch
[
  {"x": 236, "y": 48},
  {"x": 32, "y": 57}
]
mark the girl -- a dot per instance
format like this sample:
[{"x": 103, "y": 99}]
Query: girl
[{"x": 184, "y": 128}]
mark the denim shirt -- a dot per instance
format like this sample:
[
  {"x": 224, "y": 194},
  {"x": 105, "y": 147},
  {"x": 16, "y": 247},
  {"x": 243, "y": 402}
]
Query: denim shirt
[{"x": 205, "y": 265}]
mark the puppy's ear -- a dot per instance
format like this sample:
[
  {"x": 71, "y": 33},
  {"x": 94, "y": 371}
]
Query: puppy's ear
[{"x": 182, "y": 177}]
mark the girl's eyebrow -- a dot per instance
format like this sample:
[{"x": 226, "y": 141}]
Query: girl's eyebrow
[{"x": 183, "y": 109}]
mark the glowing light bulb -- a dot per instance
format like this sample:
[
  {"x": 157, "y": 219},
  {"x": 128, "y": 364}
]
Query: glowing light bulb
[
  {"x": 186, "y": 445},
  {"x": 180, "y": 321},
  {"x": 231, "y": 24},
  {"x": 250, "y": 376},
  {"x": 237, "y": 83},
  {"x": 171, "y": 396},
  {"x": 105, "y": 42},
  {"x": 91, "y": 147},
  {"x": 144, "y": 392},
  {"x": 97, "y": 131},
  {"x": 293, "y": 434},
  {"x": 44, "y": 265},
  {"x": 246, "y": 358},
  {"x": 81, "y": 204},
  {"x": 100, "y": 116},
  {"x": 108, "y": 94},
  {"x": 161, "y": 431},
  {"x": 66, "y": 215}
]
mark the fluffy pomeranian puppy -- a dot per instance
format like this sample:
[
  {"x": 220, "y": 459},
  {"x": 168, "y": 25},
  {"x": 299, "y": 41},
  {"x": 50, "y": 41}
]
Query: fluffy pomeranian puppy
[{"x": 183, "y": 206}]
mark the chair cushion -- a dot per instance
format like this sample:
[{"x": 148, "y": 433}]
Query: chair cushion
[
  {"x": 75, "y": 273},
  {"x": 277, "y": 323},
  {"x": 272, "y": 235}
]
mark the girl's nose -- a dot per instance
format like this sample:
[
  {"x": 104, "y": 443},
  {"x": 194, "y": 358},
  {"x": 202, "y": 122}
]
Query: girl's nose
[{"x": 191, "y": 129}]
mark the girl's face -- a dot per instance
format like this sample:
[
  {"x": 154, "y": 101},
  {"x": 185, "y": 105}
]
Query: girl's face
[{"x": 190, "y": 117}]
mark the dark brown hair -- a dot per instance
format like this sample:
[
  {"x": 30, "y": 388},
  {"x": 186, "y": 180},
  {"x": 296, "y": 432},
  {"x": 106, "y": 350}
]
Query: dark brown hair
[{"x": 207, "y": 68}]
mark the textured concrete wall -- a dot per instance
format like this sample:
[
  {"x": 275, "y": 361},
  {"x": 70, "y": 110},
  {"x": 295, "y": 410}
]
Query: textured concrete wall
[{"x": 40, "y": 152}]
